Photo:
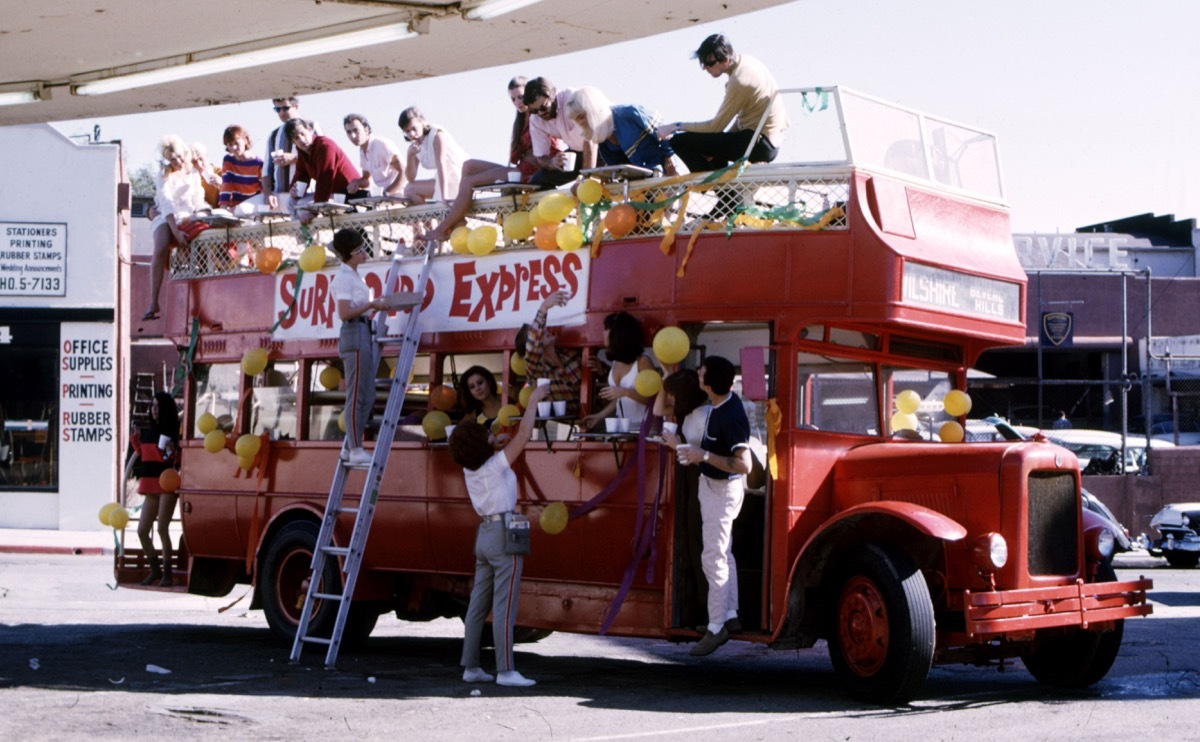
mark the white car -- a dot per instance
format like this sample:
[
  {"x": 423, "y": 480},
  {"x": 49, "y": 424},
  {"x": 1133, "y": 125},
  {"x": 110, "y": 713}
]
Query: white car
[
  {"x": 1099, "y": 451},
  {"x": 1177, "y": 525}
]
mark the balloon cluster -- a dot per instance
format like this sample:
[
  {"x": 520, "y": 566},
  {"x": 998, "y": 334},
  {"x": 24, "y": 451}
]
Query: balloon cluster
[
  {"x": 956, "y": 404},
  {"x": 112, "y": 514}
]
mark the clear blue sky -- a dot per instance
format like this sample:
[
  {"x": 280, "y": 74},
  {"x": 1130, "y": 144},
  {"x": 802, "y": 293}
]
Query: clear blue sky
[{"x": 1096, "y": 103}]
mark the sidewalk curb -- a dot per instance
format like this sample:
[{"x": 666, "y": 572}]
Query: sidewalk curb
[{"x": 46, "y": 549}]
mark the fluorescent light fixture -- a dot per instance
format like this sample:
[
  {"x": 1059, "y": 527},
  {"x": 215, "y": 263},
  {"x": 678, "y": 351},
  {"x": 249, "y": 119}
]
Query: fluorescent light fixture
[
  {"x": 17, "y": 97},
  {"x": 244, "y": 60},
  {"x": 489, "y": 9}
]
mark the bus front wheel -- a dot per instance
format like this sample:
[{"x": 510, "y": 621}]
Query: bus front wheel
[{"x": 883, "y": 633}]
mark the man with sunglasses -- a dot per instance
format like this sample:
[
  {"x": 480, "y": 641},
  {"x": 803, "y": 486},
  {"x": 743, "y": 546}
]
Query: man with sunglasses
[
  {"x": 281, "y": 157},
  {"x": 558, "y": 143},
  {"x": 714, "y": 144}
]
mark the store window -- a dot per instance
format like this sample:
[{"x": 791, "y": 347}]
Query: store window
[{"x": 29, "y": 356}]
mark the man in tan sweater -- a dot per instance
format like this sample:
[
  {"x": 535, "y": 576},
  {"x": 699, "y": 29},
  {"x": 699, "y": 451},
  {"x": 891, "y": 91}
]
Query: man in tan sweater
[{"x": 714, "y": 144}]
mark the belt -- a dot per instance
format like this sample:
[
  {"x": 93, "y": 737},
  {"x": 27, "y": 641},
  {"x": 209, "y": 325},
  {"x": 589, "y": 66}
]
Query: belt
[{"x": 493, "y": 517}]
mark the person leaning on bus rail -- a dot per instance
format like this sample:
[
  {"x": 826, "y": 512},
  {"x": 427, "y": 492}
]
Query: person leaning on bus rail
[
  {"x": 625, "y": 345},
  {"x": 479, "y": 395},
  {"x": 431, "y": 147},
  {"x": 545, "y": 360},
  {"x": 177, "y": 195},
  {"x": 239, "y": 169},
  {"x": 492, "y": 487},
  {"x": 280, "y": 160},
  {"x": 723, "y": 455},
  {"x": 356, "y": 342},
  {"x": 321, "y": 160},
  {"x": 378, "y": 158},
  {"x": 624, "y": 134},
  {"x": 707, "y": 145},
  {"x": 548, "y": 125},
  {"x": 156, "y": 449},
  {"x": 477, "y": 173}
]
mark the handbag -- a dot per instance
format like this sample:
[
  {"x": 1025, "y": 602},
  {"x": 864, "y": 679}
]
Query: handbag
[{"x": 516, "y": 534}]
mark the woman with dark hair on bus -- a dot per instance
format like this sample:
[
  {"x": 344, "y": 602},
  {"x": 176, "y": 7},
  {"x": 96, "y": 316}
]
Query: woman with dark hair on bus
[
  {"x": 625, "y": 346},
  {"x": 476, "y": 173},
  {"x": 479, "y": 394},
  {"x": 492, "y": 487},
  {"x": 432, "y": 148},
  {"x": 156, "y": 449}
]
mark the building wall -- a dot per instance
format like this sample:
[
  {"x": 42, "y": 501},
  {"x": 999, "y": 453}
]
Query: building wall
[{"x": 71, "y": 189}]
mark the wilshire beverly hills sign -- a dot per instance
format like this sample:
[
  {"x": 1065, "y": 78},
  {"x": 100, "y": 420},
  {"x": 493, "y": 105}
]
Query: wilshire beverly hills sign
[{"x": 33, "y": 259}]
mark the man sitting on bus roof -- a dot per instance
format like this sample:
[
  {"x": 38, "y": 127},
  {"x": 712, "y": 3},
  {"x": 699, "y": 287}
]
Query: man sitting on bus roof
[
  {"x": 724, "y": 458},
  {"x": 545, "y": 360}
]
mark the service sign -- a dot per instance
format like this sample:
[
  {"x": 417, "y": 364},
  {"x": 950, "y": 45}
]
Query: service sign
[
  {"x": 33, "y": 259},
  {"x": 938, "y": 288},
  {"x": 500, "y": 291}
]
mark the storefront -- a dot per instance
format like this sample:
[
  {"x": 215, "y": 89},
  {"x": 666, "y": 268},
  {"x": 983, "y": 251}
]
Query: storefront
[{"x": 59, "y": 364}]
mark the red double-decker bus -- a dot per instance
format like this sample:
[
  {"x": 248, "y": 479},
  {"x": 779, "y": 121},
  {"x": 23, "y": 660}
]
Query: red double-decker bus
[{"x": 881, "y": 263}]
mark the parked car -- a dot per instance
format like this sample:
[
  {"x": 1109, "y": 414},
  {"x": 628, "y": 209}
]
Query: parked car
[
  {"x": 1178, "y": 540},
  {"x": 1099, "y": 451},
  {"x": 1120, "y": 533}
]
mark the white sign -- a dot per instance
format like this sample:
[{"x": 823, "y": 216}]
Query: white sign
[
  {"x": 938, "y": 288},
  {"x": 1072, "y": 252},
  {"x": 33, "y": 259},
  {"x": 86, "y": 382},
  {"x": 500, "y": 291}
]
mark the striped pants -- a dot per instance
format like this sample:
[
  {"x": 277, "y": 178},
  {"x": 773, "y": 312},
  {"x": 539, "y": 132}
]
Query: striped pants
[{"x": 497, "y": 587}]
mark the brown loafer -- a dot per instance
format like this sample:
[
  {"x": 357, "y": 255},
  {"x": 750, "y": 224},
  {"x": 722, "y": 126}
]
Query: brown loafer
[{"x": 709, "y": 643}]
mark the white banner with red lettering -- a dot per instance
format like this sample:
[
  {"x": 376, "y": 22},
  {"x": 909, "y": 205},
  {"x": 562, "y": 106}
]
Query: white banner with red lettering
[{"x": 500, "y": 291}]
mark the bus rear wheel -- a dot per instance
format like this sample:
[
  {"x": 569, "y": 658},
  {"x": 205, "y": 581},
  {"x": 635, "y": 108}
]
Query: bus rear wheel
[
  {"x": 883, "y": 633},
  {"x": 286, "y": 571}
]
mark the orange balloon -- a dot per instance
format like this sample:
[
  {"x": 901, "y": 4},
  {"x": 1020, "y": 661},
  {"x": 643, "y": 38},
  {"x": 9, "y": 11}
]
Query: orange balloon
[
  {"x": 620, "y": 220},
  {"x": 443, "y": 397},
  {"x": 268, "y": 259},
  {"x": 546, "y": 236},
  {"x": 168, "y": 481}
]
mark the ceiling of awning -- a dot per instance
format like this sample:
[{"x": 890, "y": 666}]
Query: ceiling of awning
[{"x": 53, "y": 46}]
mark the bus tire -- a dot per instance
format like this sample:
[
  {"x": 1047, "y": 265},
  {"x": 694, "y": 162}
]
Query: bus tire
[
  {"x": 883, "y": 634},
  {"x": 1079, "y": 658},
  {"x": 286, "y": 570}
]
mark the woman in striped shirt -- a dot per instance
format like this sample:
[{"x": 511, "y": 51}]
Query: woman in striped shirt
[{"x": 240, "y": 170}]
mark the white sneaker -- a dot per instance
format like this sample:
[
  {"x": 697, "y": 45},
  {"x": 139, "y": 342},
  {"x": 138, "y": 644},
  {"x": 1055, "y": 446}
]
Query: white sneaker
[
  {"x": 357, "y": 457},
  {"x": 477, "y": 675},
  {"x": 514, "y": 679}
]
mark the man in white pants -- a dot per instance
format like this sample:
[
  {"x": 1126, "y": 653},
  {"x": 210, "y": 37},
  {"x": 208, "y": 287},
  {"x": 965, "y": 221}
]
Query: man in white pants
[{"x": 724, "y": 459}]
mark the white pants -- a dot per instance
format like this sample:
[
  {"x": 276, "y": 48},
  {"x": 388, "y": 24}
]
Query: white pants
[{"x": 720, "y": 503}]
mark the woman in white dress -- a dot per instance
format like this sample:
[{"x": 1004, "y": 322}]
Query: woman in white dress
[
  {"x": 434, "y": 149},
  {"x": 178, "y": 194}
]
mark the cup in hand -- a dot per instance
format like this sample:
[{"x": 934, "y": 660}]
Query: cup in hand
[
  {"x": 543, "y": 409},
  {"x": 568, "y": 162},
  {"x": 680, "y": 449},
  {"x": 514, "y": 176},
  {"x": 543, "y": 382},
  {"x": 560, "y": 407},
  {"x": 670, "y": 427},
  {"x": 612, "y": 425}
]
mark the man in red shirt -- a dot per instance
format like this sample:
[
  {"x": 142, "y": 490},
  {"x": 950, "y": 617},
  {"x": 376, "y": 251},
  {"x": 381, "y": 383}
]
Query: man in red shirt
[{"x": 322, "y": 161}]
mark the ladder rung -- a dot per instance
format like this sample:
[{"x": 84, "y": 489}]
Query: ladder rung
[
  {"x": 339, "y": 550},
  {"x": 347, "y": 510},
  {"x": 316, "y": 640},
  {"x": 329, "y": 596}
]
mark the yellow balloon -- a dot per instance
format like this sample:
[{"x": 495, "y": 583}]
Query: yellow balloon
[
  {"x": 517, "y": 364},
  {"x": 330, "y": 377},
  {"x": 523, "y": 396},
  {"x": 904, "y": 421},
  {"x": 106, "y": 510},
  {"x": 206, "y": 423},
  {"x": 118, "y": 518},
  {"x": 590, "y": 191},
  {"x": 908, "y": 401},
  {"x": 554, "y": 518},
  {"x": 312, "y": 259},
  {"x": 458, "y": 240},
  {"x": 555, "y": 207},
  {"x": 671, "y": 345},
  {"x": 518, "y": 226},
  {"x": 214, "y": 441},
  {"x": 254, "y": 361},
  {"x": 647, "y": 383},
  {"x": 951, "y": 432},
  {"x": 537, "y": 218},
  {"x": 246, "y": 462},
  {"x": 482, "y": 240},
  {"x": 957, "y": 403},
  {"x": 434, "y": 423},
  {"x": 247, "y": 445},
  {"x": 342, "y": 421},
  {"x": 508, "y": 414},
  {"x": 569, "y": 237}
]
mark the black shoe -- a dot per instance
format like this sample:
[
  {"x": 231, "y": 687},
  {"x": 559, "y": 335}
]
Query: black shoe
[
  {"x": 734, "y": 625},
  {"x": 709, "y": 643},
  {"x": 152, "y": 578}
]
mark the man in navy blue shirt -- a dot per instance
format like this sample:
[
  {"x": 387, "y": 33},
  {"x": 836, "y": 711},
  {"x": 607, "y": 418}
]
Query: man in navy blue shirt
[{"x": 724, "y": 459}]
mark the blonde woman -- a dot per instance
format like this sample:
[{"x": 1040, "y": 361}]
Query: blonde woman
[{"x": 178, "y": 194}]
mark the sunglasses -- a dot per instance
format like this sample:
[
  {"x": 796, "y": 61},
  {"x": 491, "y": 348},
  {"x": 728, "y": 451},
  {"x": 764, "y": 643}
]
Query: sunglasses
[
  {"x": 706, "y": 63},
  {"x": 544, "y": 108},
  {"x": 283, "y": 108},
  {"x": 360, "y": 250}
]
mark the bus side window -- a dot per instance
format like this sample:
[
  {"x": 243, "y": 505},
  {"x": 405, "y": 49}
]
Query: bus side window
[
  {"x": 274, "y": 402},
  {"x": 326, "y": 399}
]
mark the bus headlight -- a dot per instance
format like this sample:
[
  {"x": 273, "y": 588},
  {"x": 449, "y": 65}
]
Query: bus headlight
[
  {"x": 1101, "y": 543},
  {"x": 990, "y": 552}
]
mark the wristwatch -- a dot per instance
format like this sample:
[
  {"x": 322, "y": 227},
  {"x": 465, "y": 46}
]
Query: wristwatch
[{"x": 705, "y": 459}]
